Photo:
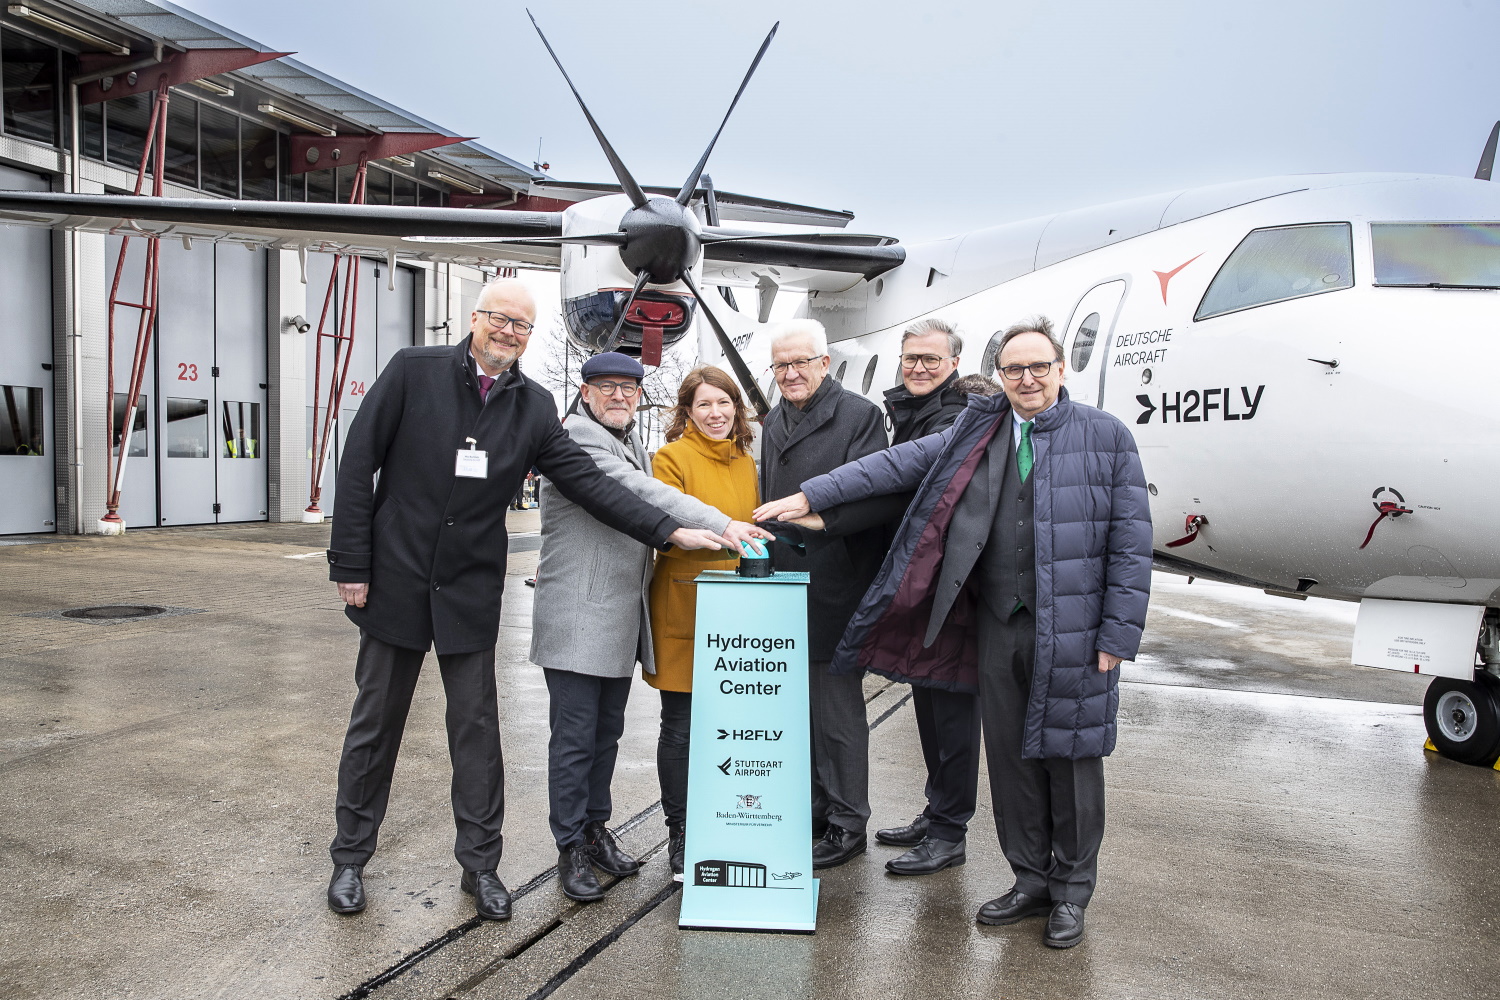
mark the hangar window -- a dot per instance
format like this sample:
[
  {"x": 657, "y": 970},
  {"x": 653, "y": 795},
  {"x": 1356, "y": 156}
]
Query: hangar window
[
  {"x": 138, "y": 443},
  {"x": 1286, "y": 262},
  {"x": 125, "y": 133},
  {"x": 377, "y": 187},
  {"x": 241, "y": 429},
  {"x": 182, "y": 142},
  {"x": 187, "y": 428},
  {"x": 219, "y": 149},
  {"x": 869, "y": 374},
  {"x": 257, "y": 161},
  {"x": 20, "y": 420},
  {"x": 1437, "y": 255},
  {"x": 30, "y": 74}
]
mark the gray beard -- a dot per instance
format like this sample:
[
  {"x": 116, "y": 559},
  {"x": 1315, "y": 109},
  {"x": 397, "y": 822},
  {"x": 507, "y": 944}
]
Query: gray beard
[{"x": 490, "y": 359}]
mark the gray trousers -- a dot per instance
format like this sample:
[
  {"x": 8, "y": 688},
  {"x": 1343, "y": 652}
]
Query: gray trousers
[
  {"x": 840, "y": 748},
  {"x": 1049, "y": 813},
  {"x": 386, "y": 676},
  {"x": 587, "y": 716}
]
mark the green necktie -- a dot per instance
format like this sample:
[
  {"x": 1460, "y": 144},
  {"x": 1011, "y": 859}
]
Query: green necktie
[{"x": 1024, "y": 455}]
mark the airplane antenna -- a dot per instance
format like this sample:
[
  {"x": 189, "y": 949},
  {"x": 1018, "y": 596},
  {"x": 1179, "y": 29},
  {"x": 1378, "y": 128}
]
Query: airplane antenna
[{"x": 1487, "y": 158}]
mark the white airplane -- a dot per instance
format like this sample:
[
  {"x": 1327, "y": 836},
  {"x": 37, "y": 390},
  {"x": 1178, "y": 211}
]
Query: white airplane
[{"x": 1306, "y": 361}]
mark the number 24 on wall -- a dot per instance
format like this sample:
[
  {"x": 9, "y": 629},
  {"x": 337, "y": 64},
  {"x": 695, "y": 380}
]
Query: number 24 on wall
[{"x": 356, "y": 388}]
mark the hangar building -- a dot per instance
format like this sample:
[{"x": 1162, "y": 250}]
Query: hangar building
[{"x": 223, "y": 429}]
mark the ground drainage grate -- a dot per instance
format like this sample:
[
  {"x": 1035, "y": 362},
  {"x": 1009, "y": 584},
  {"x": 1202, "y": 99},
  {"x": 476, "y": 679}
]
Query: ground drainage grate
[{"x": 113, "y": 614}]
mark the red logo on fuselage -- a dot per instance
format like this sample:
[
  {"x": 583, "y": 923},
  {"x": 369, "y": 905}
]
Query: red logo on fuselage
[{"x": 1166, "y": 276}]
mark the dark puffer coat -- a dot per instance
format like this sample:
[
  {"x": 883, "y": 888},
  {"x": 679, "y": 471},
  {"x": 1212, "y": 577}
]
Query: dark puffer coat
[{"x": 1093, "y": 573}]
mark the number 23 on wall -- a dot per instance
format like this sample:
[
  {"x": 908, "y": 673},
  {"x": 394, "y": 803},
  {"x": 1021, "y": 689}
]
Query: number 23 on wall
[{"x": 186, "y": 372}]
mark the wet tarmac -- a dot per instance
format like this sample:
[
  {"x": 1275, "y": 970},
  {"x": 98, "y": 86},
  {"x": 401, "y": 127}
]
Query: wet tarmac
[{"x": 1275, "y": 829}]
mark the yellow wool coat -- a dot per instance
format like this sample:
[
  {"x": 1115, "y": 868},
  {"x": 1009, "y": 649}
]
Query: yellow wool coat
[{"x": 721, "y": 475}]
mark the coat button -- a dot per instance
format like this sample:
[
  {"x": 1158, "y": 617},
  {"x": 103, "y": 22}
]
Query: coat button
[
  {"x": 448, "y": 521},
  {"x": 436, "y": 587},
  {"x": 979, "y": 545},
  {"x": 783, "y": 461},
  {"x": 957, "y": 583},
  {"x": 1020, "y": 524}
]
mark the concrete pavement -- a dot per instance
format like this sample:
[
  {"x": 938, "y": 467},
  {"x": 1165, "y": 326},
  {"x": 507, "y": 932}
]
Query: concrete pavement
[{"x": 1274, "y": 830}]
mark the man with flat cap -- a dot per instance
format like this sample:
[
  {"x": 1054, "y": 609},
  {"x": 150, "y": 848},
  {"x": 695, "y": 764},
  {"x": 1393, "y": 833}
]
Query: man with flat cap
[
  {"x": 591, "y": 621},
  {"x": 419, "y": 559}
]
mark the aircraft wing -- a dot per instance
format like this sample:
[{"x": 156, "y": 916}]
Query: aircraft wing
[{"x": 456, "y": 235}]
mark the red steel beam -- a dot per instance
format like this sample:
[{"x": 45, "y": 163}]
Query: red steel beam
[
  {"x": 177, "y": 68},
  {"x": 316, "y": 152}
]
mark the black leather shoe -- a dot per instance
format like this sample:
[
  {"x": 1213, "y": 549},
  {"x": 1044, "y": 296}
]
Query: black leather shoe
[
  {"x": 491, "y": 898},
  {"x": 605, "y": 853},
  {"x": 1064, "y": 926},
  {"x": 676, "y": 846},
  {"x": 927, "y": 857},
  {"x": 1013, "y": 906},
  {"x": 576, "y": 875},
  {"x": 346, "y": 890},
  {"x": 820, "y": 828},
  {"x": 837, "y": 846},
  {"x": 909, "y": 835}
]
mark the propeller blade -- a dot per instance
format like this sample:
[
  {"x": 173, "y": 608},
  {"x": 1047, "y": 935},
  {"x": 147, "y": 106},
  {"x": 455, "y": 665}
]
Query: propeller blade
[
  {"x": 627, "y": 182},
  {"x": 741, "y": 370},
  {"x": 614, "y": 338},
  {"x": 691, "y": 184},
  {"x": 1487, "y": 159},
  {"x": 596, "y": 240}
]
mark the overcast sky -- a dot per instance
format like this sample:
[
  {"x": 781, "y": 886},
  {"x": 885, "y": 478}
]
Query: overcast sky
[{"x": 926, "y": 120}]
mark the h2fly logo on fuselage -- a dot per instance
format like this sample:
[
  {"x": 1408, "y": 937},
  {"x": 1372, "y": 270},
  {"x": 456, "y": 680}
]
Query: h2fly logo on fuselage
[{"x": 1201, "y": 406}]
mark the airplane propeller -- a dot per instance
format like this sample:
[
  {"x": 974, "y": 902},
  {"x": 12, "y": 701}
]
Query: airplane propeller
[{"x": 662, "y": 236}]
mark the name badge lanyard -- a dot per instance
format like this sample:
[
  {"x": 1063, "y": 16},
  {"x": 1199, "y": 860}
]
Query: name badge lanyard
[{"x": 472, "y": 463}]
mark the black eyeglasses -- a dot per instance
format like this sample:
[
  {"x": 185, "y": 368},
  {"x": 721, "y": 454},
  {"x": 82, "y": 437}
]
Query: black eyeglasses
[
  {"x": 780, "y": 368},
  {"x": 1038, "y": 369},
  {"x": 627, "y": 390},
  {"x": 500, "y": 321},
  {"x": 927, "y": 361}
]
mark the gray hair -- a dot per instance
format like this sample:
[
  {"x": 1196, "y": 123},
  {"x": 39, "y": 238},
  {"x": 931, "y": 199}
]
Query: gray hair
[
  {"x": 977, "y": 385},
  {"x": 932, "y": 324},
  {"x": 802, "y": 329},
  {"x": 1036, "y": 324}
]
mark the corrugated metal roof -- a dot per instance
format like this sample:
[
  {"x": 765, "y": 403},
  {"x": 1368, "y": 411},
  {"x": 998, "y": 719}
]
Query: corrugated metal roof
[{"x": 186, "y": 29}]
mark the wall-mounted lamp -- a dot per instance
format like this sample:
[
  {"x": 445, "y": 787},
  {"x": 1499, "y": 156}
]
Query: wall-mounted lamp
[
  {"x": 295, "y": 119},
  {"x": 213, "y": 87},
  {"x": 299, "y": 324},
  {"x": 438, "y": 175},
  {"x": 36, "y": 17}
]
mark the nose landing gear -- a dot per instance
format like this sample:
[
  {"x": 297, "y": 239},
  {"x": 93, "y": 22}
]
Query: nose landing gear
[{"x": 1463, "y": 717}]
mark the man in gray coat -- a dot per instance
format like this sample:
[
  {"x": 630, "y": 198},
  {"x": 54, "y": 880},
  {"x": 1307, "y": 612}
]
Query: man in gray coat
[
  {"x": 1030, "y": 536},
  {"x": 817, "y": 426},
  {"x": 591, "y": 623}
]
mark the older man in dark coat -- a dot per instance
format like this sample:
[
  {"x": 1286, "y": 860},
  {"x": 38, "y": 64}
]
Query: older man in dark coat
[
  {"x": 819, "y": 425},
  {"x": 1030, "y": 534},
  {"x": 420, "y": 562}
]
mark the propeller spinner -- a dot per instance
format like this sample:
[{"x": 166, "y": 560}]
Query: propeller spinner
[{"x": 663, "y": 239}]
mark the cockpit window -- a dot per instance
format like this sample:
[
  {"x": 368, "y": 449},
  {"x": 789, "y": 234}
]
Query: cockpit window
[
  {"x": 1287, "y": 262},
  {"x": 1437, "y": 255}
]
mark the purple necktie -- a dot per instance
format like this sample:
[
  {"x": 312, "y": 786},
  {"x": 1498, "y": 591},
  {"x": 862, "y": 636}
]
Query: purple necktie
[{"x": 484, "y": 386}]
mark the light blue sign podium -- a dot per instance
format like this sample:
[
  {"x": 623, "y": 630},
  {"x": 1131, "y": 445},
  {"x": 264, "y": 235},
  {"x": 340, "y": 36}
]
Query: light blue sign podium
[{"x": 748, "y": 860}]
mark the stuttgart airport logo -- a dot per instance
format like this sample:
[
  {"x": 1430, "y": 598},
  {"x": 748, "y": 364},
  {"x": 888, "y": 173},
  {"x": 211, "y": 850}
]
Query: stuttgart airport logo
[{"x": 725, "y": 766}]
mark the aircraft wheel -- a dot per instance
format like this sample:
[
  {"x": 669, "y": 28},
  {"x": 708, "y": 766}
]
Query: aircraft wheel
[{"x": 1463, "y": 719}]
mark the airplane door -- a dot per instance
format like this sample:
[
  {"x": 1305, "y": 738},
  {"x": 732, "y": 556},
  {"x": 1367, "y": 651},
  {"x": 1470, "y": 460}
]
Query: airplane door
[{"x": 1086, "y": 343}]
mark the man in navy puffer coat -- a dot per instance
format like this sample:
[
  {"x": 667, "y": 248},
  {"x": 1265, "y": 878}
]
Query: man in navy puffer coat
[{"x": 1029, "y": 544}]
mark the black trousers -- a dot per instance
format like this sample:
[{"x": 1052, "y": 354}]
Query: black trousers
[
  {"x": 386, "y": 675},
  {"x": 840, "y": 748},
  {"x": 672, "y": 754},
  {"x": 587, "y": 716},
  {"x": 1049, "y": 813},
  {"x": 948, "y": 727}
]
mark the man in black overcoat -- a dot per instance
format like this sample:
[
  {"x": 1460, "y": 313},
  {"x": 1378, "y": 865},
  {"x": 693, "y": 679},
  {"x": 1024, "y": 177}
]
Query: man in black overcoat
[
  {"x": 817, "y": 426},
  {"x": 419, "y": 560}
]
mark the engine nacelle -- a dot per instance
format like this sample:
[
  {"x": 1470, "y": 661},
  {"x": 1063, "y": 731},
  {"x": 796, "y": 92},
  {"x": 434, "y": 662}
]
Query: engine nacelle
[{"x": 595, "y": 284}]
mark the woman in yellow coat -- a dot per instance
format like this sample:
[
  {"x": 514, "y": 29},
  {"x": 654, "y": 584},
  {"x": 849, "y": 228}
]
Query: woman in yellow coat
[{"x": 707, "y": 456}]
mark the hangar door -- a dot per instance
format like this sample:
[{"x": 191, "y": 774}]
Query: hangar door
[
  {"x": 27, "y": 501},
  {"x": 197, "y": 443},
  {"x": 385, "y": 322}
]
